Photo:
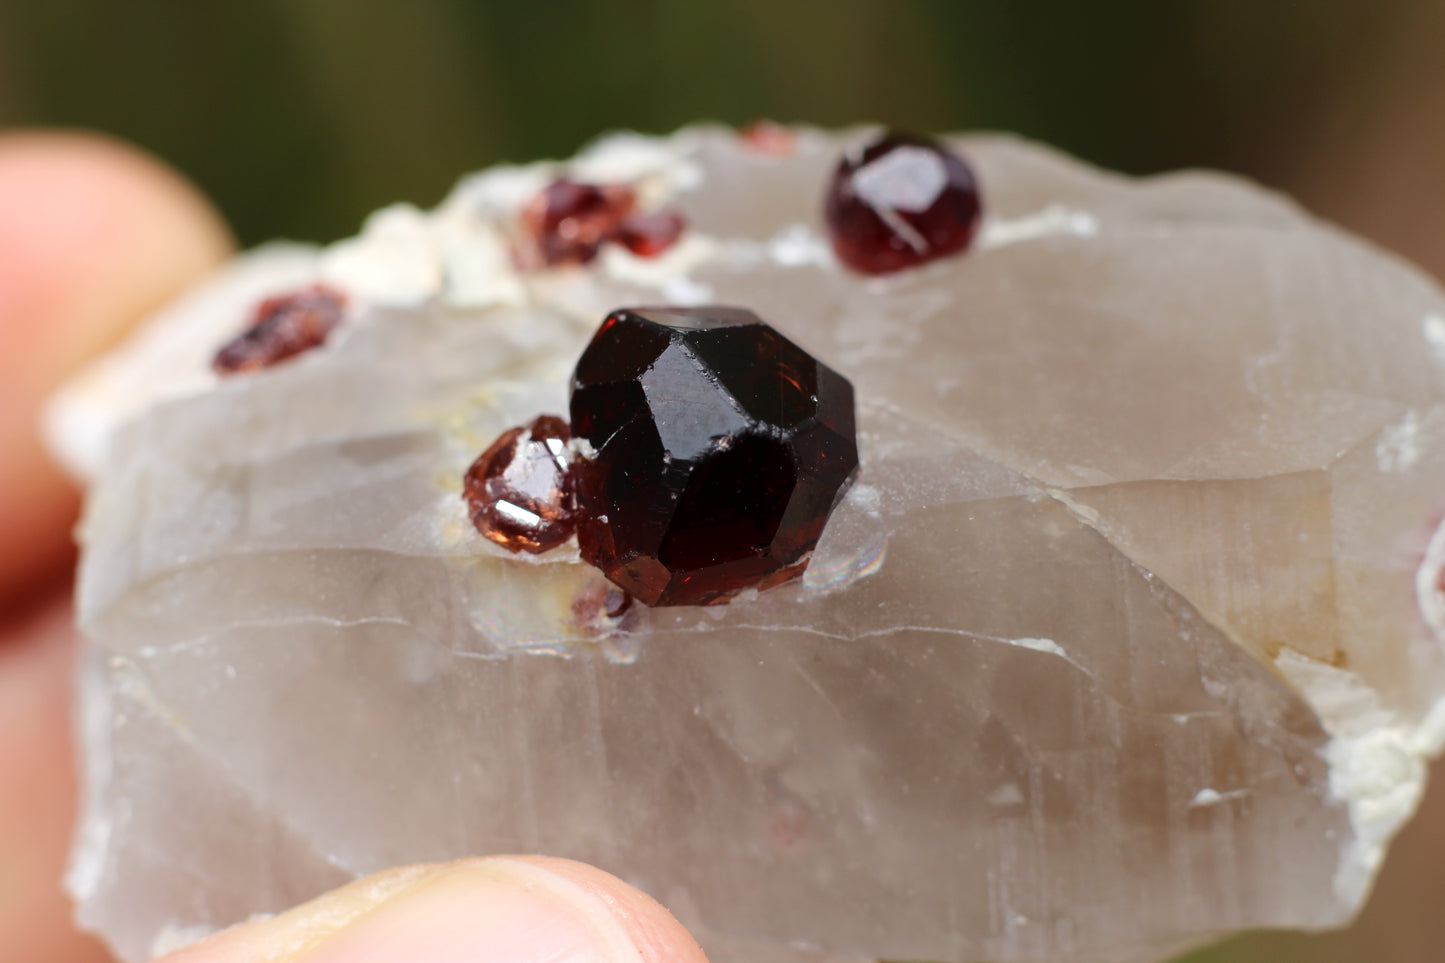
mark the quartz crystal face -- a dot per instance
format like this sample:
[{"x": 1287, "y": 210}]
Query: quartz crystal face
[
  {"x": 720, "y": 448},
  {"x": 1128, "y": 634}
]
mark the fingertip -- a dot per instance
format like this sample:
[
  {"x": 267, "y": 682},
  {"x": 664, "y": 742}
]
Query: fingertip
[
  {"x": 656, "y": 933},
  {"x": 93, "y": 235},
  {"x": 37, "y": 791},
  {"x": 505, "y": 909}
]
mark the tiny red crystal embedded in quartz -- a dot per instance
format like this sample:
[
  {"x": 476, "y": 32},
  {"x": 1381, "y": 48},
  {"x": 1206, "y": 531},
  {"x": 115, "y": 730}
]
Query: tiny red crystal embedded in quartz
[
  {"x": 721, "y": 449},
  {"x": 769, "y": 139},
  {"x": 569, "y": 220},
  {"x": 517, "y": 491},
  {"x": 899, "y": 202},
  {"x": 282, "y": 327}
]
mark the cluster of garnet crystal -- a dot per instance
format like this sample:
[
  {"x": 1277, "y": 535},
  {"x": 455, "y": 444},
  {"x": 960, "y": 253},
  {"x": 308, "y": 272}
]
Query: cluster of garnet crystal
[
  {"x": 568, "y": 221},
  {"x": 718, "y": 450}
]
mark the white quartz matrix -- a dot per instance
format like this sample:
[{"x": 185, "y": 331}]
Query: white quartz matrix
[{"x": 1130, "y": 634}]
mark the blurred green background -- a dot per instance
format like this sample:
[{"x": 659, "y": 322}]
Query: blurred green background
[{"x": 300, "y": 116}]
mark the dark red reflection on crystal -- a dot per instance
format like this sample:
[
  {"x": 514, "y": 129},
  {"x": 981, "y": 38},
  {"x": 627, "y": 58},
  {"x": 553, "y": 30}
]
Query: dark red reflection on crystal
[
  {"x": 769, "y": 139},
  {"x": 282, "y": 327},
  {"x": 517, "y": 492},
  {"x": 568, "y": 221},
  {"x": 899, "y": 202},
  {"x": 721, "y": 449},
  {"x": 648, "y": 235}
]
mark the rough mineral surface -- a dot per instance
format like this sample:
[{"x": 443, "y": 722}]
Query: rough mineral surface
[{"x": 1129, "y": 634}]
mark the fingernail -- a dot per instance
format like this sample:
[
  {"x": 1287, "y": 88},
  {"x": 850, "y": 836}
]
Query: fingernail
[{"x": 498, "y": 910}]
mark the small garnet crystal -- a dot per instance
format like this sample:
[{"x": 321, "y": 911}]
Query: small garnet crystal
[
  {"x": 721, "y": 448},
  {"x": 516, "y": 491},
  {"x": 569, "y": 221},
  {"x": 899, "y": 202},
  {"x": 282, "y": 327}
]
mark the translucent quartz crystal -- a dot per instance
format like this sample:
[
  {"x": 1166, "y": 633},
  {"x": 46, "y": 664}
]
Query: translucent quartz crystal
[{"x": 1128, "y": 635}]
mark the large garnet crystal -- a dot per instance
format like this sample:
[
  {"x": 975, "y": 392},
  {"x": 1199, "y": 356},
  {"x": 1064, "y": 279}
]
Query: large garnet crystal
[{"x": 721, "y": 448}]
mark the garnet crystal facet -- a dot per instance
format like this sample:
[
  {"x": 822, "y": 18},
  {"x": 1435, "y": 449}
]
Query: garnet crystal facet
[
  {"x": 649, "y": 235},
  {"x": 721, "y": 448},
  {"x": 282, "y": 327},
  {"x": 516, "y": 492},
  {"x": 900, "y": 202}
]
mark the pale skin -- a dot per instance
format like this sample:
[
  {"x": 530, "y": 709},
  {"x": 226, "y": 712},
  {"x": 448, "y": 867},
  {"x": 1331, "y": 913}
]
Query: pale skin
[{"x": 93, "y": 235}]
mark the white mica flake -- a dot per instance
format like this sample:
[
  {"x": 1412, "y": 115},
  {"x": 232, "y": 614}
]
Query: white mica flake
[
  {"x": 1398, "y": 448},
  {"x": 1052, "y": 221},
  {"x": 1213, "y": 797},
  {"x": 1378, "y": 763},
  {"x": 1040, "y": 645},
  {"x": 396, "y": 260},
  {"x": 657, "y": 167},
  {"x": 668, "y": 272},
  {"x": 1433, "y": 328},
  {"x": 798, "y": 245}
]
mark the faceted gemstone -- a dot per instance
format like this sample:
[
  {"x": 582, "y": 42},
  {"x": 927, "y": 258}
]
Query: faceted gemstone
[
  {"x": 282, "y": 327},
  {"x": 902, "y": 201},
  {"x": 516, "y": 491},
  {"x": 568, "y": 221},
  {"x": 648, "y": 235},
  {"x": 721, "y": 448}
]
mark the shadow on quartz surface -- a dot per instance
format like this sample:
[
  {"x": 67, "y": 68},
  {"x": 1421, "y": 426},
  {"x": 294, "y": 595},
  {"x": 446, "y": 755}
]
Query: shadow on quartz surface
[{"x": 1402, "y": 923}]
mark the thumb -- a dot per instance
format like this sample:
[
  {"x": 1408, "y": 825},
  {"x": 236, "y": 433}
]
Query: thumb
[{"x": 502, "y": 909}]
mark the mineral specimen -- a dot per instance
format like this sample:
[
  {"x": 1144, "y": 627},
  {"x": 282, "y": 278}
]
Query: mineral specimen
[
  {"x": 720, "y": 449},
  {"x": 1129, "y": 634}
]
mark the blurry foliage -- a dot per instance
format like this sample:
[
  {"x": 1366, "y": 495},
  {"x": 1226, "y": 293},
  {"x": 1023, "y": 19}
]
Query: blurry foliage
[{"x": 299, "y": 116}]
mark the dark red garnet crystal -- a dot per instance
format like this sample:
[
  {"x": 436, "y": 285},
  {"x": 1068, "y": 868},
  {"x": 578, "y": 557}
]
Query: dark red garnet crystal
[
  {"x": 517, "y": 492},
  {"x": 899, "y": 202},
  {"x": 721, "y": 448},
  {"x": 282, "y": 327},
  {"x": 568, "y": 221}
]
